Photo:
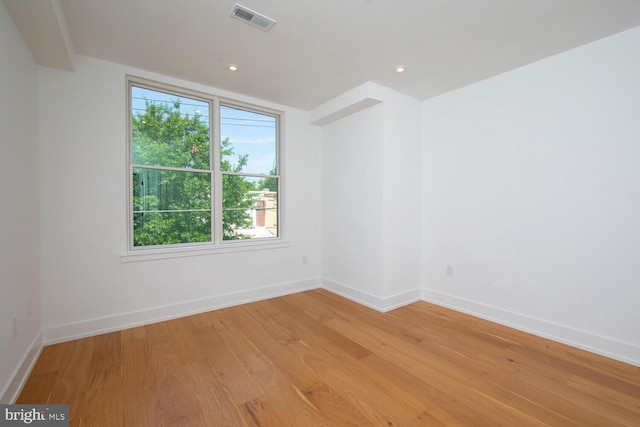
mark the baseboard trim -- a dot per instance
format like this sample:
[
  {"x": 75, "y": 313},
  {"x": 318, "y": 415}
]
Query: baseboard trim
[
  {"x": 13, "y": 388},
  {"x": 71, "y": 331},
  {"x": 372, "y": 301},
  {"x": 614, "y": 349}
]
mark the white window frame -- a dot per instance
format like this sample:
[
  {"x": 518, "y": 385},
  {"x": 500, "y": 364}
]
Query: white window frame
[{"x": 217, "y": 244}]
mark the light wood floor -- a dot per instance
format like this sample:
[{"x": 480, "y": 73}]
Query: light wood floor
[{"x": 315, "y": 359}]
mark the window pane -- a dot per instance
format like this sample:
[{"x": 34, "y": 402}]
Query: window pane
[
  {"x": 169, "y": 130},
  {"x": 248, "y": 141},
  {"x": 171, "y": 207},
  {"x": 249, "y": 207}
]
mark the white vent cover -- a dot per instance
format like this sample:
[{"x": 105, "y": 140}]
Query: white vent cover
[{"x": 249, "y": 16}]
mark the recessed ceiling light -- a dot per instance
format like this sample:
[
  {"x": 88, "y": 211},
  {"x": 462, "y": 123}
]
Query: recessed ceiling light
[
  {"x": 233, "y": 67},
  {"x": 400, "y": 69}
]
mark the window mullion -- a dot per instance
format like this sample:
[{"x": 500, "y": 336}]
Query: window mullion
[{"x": 216, "y": 176}]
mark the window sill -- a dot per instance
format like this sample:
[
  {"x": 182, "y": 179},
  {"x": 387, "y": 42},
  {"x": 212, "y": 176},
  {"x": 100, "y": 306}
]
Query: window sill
[{"x": 166, "y": 253}]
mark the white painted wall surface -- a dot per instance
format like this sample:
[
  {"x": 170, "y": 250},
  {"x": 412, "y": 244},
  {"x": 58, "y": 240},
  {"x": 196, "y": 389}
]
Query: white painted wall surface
[
  {"x": 83, "y": 178},
  {"x": 371, "y": 200},
  {"x": 19, "y": 204},
  {"x": 352, "y": 203},
  {"x": 531, "y": 191},
  {"x": 402, "y": 196}
]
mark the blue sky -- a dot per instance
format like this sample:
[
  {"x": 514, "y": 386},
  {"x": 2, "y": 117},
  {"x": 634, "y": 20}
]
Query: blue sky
[{"x": 250, "y": 133}]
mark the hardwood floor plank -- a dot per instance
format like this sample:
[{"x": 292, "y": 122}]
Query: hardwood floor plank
[
  {"x": 342, "y": 368},
  {"x": 432, "y": 370},
  {"x": 171, "y": 389},
  {"x": 572, "y": 355},
  {"x": 385, "y": 387},
  {"x": 272, "y": 340},
  {"x": 141, "y": 406},
  {"x": 39, "y": 388},
  {"x": 138, "y": 382},
  {"x": 74, "y": 375},
  {"x": 433, "y": 402},
  {"x": 213, "y": 395},
  {"x": 239, "y": 344},
  {"x": 102, "y": 398},
  {"x": 241, "y": 385},
  {"x": 135, "y": 368},
  {"x": 502, "y": 384},
  {"x": 296, "y": 364},
  {"x": 280, "y": 388},
  {"x": 590, "y": 373},
  {"x": 362, "y": 396},
  {"x": 604, "y": 393},
  {"x": 132, "y": 334},
  {"x": 294, "y": 405},
  {"x": 317, "y": 359},
  {"x": 369, "y": 397},
  {"x": 261, "y": 412},
  {"x": 51, "y": 358},
  {"x": 331, "y": 336},
  {"x": 337, "y": 409}
]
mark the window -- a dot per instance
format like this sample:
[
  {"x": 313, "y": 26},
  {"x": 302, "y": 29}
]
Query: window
[{"x": 203, "y": 171}]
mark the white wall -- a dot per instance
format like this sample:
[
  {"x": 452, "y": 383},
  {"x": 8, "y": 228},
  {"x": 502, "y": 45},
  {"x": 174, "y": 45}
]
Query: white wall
[
  {"x": 402, "y": 196},
  {"x": 19, "y": 211},
  {"x": 371, "y": 200},
  {"x": 352, "y": 202},
  {"x": 83, "y": 171},
  {"x": 531, "y": 191}
]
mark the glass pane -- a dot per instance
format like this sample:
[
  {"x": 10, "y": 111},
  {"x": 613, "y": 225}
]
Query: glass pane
[
  {"x": 249, "y": 207},
  {"x": 248, "y": 141},
  {"x": 169, "y": 130},
  {"x": 171, "y": 207}
]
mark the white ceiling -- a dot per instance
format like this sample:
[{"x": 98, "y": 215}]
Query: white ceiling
[{"x": 318, "y": 49}]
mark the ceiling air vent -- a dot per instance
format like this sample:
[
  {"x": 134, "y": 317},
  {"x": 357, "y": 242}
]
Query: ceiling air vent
[{"x": 251, "y": 17}]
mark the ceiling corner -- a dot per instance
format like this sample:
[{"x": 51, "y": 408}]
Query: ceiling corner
[{"x": 43, "y": 27}]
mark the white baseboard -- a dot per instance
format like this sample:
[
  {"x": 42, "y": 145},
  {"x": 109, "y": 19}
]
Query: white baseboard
[
  {"x": 12, "y": 389},
  {"x": 618, "y": 350},
  {"x": 382, "y": 304},
  {"x": 71, "y": 331}
]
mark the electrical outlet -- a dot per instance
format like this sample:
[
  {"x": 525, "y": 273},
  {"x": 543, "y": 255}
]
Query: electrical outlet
[
  {"x": 449, "y": 271},
  {"x": 305, "y": 260}
]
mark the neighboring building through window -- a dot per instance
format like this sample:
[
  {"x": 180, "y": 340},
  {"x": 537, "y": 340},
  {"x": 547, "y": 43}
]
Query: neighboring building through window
[{"x": 202, "y": 170}]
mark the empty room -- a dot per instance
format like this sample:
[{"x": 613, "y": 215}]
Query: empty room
[{"x": 339, "y": 213}]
